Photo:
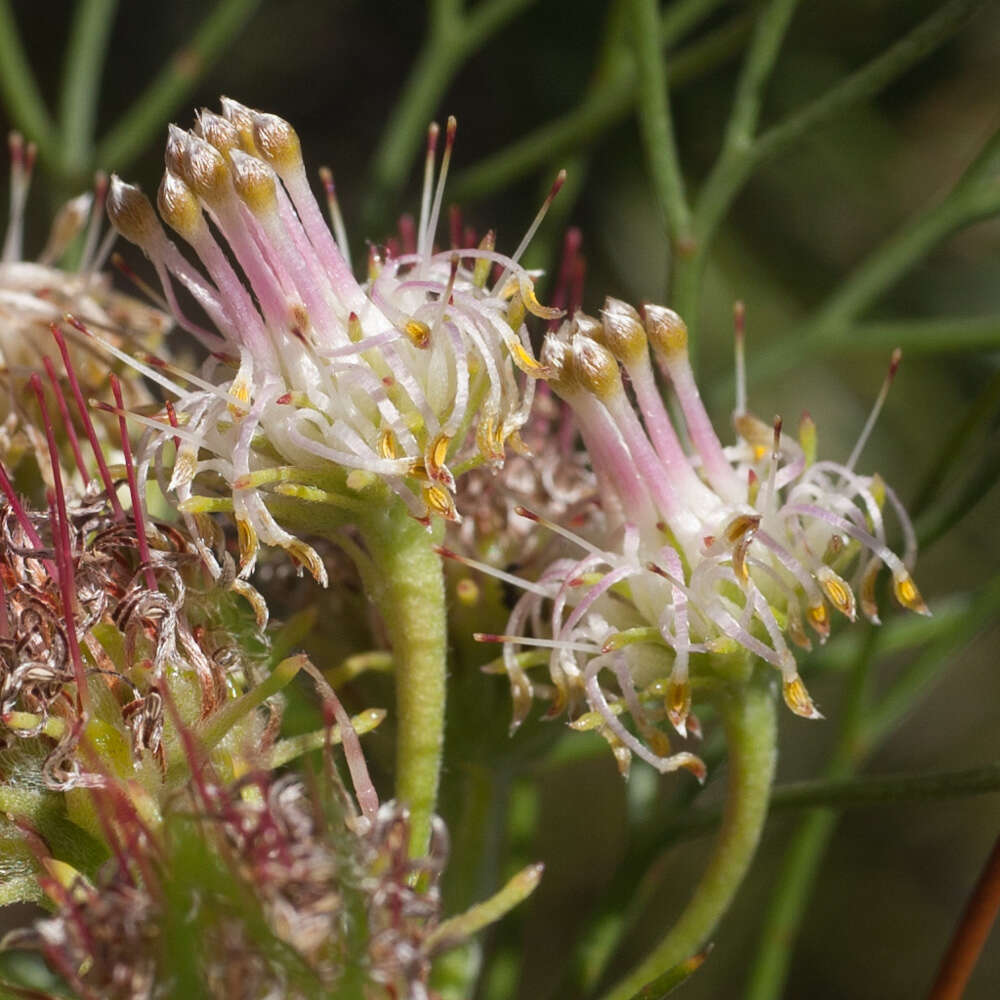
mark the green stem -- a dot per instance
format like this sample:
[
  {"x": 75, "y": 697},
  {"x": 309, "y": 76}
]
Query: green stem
[
  {"x": 88, "y": 43},
  {"x": 21, "y": 96},
  {"x": 406, "y": 582},
  {"x": 452, "y": 36},
  {"x": 847, "y": 792},
  {"x": 732, "y": 167},
  {"x": 656, "y": 124},
  {"x": 974, "y": 197},
  {"x": 749, "y": 717},
  {"x": 798, "y": 872},
  {"x": 742, "y": 154},
  {"x": 609, "y": 99},
  {"x": 956, "y": 448},
  {"x": 924, "y": 671},
  {"x": 175, "y": 82}
]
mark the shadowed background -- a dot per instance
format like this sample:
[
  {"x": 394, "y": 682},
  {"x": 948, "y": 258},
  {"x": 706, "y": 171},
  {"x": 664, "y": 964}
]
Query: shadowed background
[{"x": 896, "y": 875}]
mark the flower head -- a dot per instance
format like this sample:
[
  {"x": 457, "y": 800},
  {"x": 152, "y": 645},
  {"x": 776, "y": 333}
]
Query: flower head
[
  {"x": 317, "y": 385},
  {"x": 704, "y": 551},
  {"x": 36, "y": 293},
  {"x": 114, "y": 641}
]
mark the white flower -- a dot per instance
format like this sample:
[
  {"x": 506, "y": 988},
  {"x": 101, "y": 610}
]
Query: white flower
[
  {"x": 37, "y": 293},
  {"x": 319, "y": 386},
  {"x": 702, "y": 553}
]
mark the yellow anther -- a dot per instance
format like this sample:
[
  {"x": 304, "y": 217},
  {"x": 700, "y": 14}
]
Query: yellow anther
[
  {"x": 374, "y": 263},
  {"x": 678, "y": 703},
  {"x": 486, "y": 439},
  {"x": 481, "y": 270},
  {"x": 516, "y": 312},
  {"x": 838, "y": 591},
  {"x": 797, "y": 698},
  {"x": 517, "y": 444},
  {"x": 418, "y": 332},
  {"x": 249, "y": 545},
  {"x": 740, "y": 533},
  {"x": 305, "y": 555},
  {"x": 869, "y": 602},
  {"x": 755, "y": 432},
  {"x": 437, "y": 453},
  {"x": 797, "y": 633},
  {"x": 740, "y": 526},
  {"x": 658, "y": 741},
  {"x": 198, "y": 506},
  {"x": 439, "y": 501},
  {"x": 590, "y": 721},
  {"x": 534, "y": 306},
  {"x": 239, "y": 396},
  {"x": 819, "y": 618},
  {"x": 907, "y": 594},
  {"x": 68, "y": 879},
  {"x": 525, "y": 360},
  {"x": 185, "y": 466},
  {"x": 386, "y": 444},
  {"x": 253, "y": 598}
]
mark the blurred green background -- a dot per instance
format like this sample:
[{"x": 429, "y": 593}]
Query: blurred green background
[{"x": 896, "y": 876}]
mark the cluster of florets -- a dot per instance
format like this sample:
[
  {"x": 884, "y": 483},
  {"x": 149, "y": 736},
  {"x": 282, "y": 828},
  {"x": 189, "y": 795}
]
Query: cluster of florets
[
  {"x": 294, "y": 895},
  {"x": 700, "y": 553},
  {"x": 318, "y": 387},
  {"x": 114, "y": 639},
  {"x": 35, "y": 293}
]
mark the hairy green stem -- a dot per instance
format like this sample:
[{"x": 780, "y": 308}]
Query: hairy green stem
[
  {"x": 406, "y": 583},
  {"x": 809, "y": 843},
  {"x": 175, "y": 82},
  {"x": 88, "y": 43},
  {"x": 749, "y": 717}
]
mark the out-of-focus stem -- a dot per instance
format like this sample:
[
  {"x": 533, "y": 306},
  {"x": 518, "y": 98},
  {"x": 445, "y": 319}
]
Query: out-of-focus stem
[
  {"x": 608, "y": 100},
  {"x": 452, "y": 36},
  {"x": 21, "y": 97},
  {"x": 742, "y": 153},
  {"x": 971, "y": 934},
  {"x": 177, "y": 79},
  {"x": 655, "y": 121},
  {"x": 88, "y": 43}
]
